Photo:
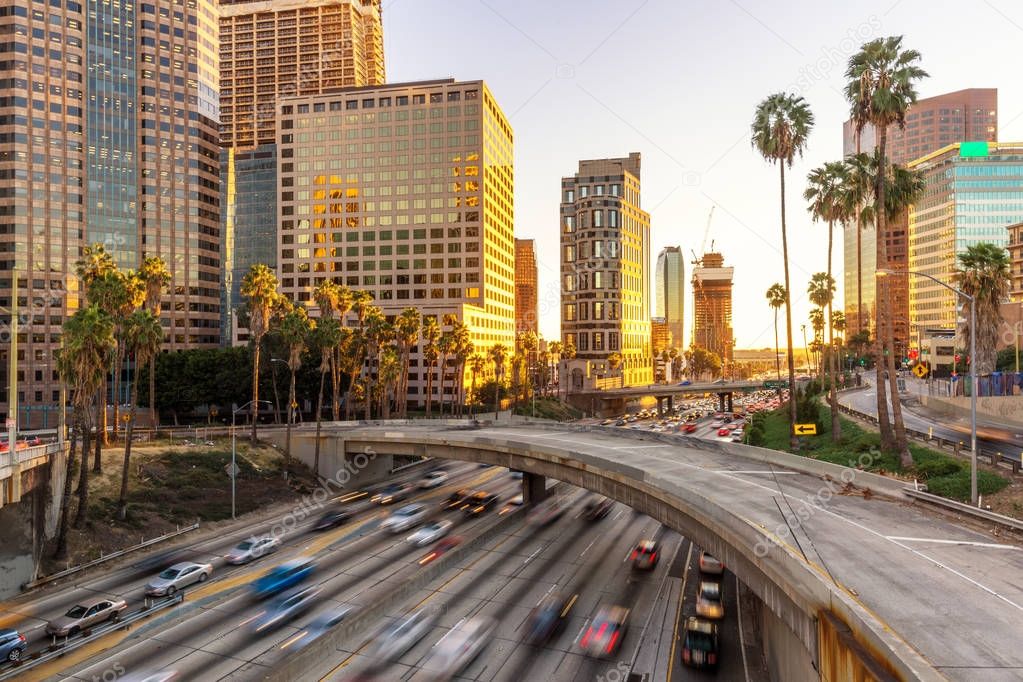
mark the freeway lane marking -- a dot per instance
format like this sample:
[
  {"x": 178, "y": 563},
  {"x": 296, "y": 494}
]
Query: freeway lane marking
[
  {"x": 678, "y": 613},
  {"x": 773, "y": 473},
  {"x": 955, "y": 542},
  {"x": 641, "y": 447}
]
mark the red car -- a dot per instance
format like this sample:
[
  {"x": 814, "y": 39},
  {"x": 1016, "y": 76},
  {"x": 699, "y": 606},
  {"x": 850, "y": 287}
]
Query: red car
[
  {"x": 689, "y": 428},
  {"x": 724, "y": 431},
  {"x": 442, "y": 547}
]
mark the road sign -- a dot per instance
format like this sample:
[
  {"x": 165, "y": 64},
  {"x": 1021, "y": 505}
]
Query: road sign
[
  {"x": 776, "y": 384},
  {"x": 806, "y": 429},
  {"x": 920, "y": 371},
  {"x": 232, "y": 470}
]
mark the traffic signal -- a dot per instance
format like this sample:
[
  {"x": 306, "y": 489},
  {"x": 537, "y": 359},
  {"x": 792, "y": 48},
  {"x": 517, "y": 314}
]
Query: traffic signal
[{"x": 863, "y": 362}]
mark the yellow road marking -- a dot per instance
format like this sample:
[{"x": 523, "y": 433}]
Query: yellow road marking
[{"x": 84, "y": 653}]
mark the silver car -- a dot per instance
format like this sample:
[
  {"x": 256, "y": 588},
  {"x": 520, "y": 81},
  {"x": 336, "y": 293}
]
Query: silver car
[
  {"x": 85, "y": 614},
  {"x": 286, "y": 607},
  {"x": 458, "y": 647},
  {"x": 252, "y": 549},
  {"x": 401, "y": 636},
  {"x": 430, "y": 533},
  {"x": 405, "y": 518},
  {"x": 178, "y": 577}
]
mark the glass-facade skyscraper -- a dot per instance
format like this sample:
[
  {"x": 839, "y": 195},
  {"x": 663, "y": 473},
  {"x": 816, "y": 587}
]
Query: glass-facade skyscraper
[{"x": 669, "y": 292}]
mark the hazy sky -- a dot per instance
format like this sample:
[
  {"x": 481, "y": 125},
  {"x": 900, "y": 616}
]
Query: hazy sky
[{"x": 678, "y": 81}]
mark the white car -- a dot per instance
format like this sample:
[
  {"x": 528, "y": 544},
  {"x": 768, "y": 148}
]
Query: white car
[
  {"x": 431, "y": 532},
  {"x": 404, "y": 518},
  {"x": 252, "y": 549},
  {"x": 457, "y": 649},
  {"x": 400, "y": 636},
  {"x": 433, "y": 479},
  {"x": 177, "y": 577}
]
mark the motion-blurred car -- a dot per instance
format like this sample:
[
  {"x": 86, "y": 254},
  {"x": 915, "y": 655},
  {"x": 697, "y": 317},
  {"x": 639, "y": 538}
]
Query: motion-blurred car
[
  {"x": 433, "y": 479},
  {"x": 321, "y": 625},
  {"x": 547, "y": 512},
  {"x": 710, "y": 565},
  {"x": 283, "y": 577},
  {"x": 456, "y": 499},
  {"x": 724, "y": 432},
  {"x": 457, "y": 649},
  {"x": 178, "y": 577},
  {"x": 333, "y": 518},
  {"x": 251, "y": 549},
  {"x": 606, "y": 631},
  {"x": 645, "y": 555},
  {"x": 151, "y": 676},
  {"x": 689, "y": 428},
  {"x": 440, "y": 549},
  {"x": 12, "y": 645},
  {"x": 400, "y": 636},
  {"x": 479, "y": 502},
  {"x": 709, "y": 601},
  {"x": 700, "y": 643},
  {"x": 85, "y": 614},
  {"x": 597, "y": 508},
  {"x": 404, "y": 518},
  {"x": 548, "y": 617},
  {"x": 607, "y": 422},
  {"x": 515, "y": 475},
  {"x": 512, "y": 504},
  {"x": 431, "y": 532},
  {"x": 286, "y": 607},
  {"x": 395, "y": 492}
]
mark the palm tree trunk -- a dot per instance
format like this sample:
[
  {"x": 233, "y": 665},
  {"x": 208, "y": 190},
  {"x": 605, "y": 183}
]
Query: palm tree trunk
[
  {"x": 118, "y": 364},
  {"x": 443, "y": 377},
  {"x": 254, "y": 408},
  {"x": 836, "y": 425},
  {"x": 429, "y": 388},
  {"x": 60, "y": 551},
  {"x": 793, "y": 441},
  {"x": 277, "y": 397},
  {"x": 319, "y": 419},
  {"x": 122, "y": 505},
  {"x": 83, "y": 480},
  {"x": 291, "y": 417},
  {"x": 335, "y": 386},
  {"x": 101, "y": 418},
  {"x": 883, "y": 420},
  {"x": 369, "y": 385},
  {"x": 777, "y": 360},
  {"x": 152, "y": 394}
]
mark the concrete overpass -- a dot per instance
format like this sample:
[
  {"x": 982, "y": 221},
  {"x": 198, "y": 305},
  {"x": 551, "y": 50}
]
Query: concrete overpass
[
  {"x": 854, "y": 584},
  {"x": 615, "y": 401}
]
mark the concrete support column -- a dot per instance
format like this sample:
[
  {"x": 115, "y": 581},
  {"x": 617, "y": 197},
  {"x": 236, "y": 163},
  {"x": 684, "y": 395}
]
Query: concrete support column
[
  {"x": 671, "y": 403},
  {"x": 534, "y": 488},
  {"x": 660, "y": 406},
  {"x": 730, "y": 402},
  {"x": 721, "y": 402}
]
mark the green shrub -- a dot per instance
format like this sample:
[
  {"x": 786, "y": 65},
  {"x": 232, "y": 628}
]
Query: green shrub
[{"x": 938, "y": 468}]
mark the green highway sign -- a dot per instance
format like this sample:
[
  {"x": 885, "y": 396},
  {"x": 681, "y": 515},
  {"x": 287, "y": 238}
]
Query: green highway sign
[{"x": 776, "y": 384}]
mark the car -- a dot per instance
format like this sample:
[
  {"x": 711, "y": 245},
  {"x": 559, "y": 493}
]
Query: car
[
  {"x": 685, "y": 383},
  {"x": 597, "y": 507},
  {"x": 547, "y": 511},
  {"x": 286, "y": 607},
  {"x": 516, "y": 475},
  {"x": 12, "y": 645},
  {"x": 549, "y": 617},
  {"x": 456, "y": 499},
  {"x": 479, "y": 502},
  {"x": 689, "y": 428},
  {"x": 645, "y": 555},
  {"x": 405, "y": 517},
  {"x": 700, "y": 643},
  {"x": 283, "y": 577},
  {"x": 178, "y": 577},
  {"x": 607, "y": 422},
  {"x": 321, "y": 625},
  {"x": 459, "y": 647},
  {"x": 433, "y": 479},
  {"x": 395, "y": 492},
  {"x": 709, "y": 602},
  {"x": 431, "y": 532},
  {"x": 333, "y": 518},
  {"x": 512, "y": 504},
  {"x": 400, "y": 636},
  {"x": 605, "y": 633},
  {"x": 440, "y": 549},
  {"x": 85, "y": 614},
  {"x": 724, "y": 431},
  {"x": 709, "y": 565},
  {"x": 620, "y": 422},
  {"x": 251, "y": 549},
  {"x": 151, "y": 676}
]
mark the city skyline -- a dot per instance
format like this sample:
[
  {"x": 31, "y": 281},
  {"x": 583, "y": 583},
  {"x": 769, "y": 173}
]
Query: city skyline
[{"x": 562, "y": 57}]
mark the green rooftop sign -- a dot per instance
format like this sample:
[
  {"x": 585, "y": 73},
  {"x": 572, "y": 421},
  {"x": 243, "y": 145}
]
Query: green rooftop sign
[{"x": 973, "y": 149}]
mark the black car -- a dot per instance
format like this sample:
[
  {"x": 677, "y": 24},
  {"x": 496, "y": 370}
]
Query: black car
[
  {"x": 477, "y": 503},
  {"x": 597, "y": 508},
  {"x": 548, "y": 617},
  {"x": 456, "y": 499},
  {"x": 333, "y": 518},
  {"x": 700, "y": 643}
]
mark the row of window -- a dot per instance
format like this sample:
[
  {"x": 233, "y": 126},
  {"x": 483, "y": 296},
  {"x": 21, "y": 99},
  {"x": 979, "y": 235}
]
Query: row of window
[
  {"x": 614, "y": 190},
  {"x": 587, "y": 310},
  {"x": 587, "y": 341},
  {"x": 382, "y": 102},
  {"x": 582, "y": 281},
  {"x": 336, "y": 265}
]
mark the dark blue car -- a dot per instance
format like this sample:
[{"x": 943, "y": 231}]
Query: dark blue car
[
  {"x": 283, "y": 577},
  {"x": 12, "y": 645}
]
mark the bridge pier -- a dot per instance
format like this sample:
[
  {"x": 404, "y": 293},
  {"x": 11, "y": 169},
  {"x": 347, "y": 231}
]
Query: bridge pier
[
  {"x": 534, "y": 488},
  {"x": 725, "y": 401}
]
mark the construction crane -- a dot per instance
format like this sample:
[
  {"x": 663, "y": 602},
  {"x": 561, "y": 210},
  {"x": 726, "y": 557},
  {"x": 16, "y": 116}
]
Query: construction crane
[{"x": 698, "y": 260}]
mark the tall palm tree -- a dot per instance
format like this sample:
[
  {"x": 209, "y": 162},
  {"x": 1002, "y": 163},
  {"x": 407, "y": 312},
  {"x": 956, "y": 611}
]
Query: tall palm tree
[
  {"x": 445, "y": 347},
  {"x": 378, "y": 332},
  {"x": 854, "y": 195},
  {"x": 477, "y": 365},
  {"x": 294, "y": 332},
  {"x": 431, "y": 336},
  {"x": 349, "y": 356},
  {"x": 259, "y": 286},
  {"x": 359, "y": 302},
  {"x": 95, "y": 263},
  {"x": 134, "y": 297},
  {"x": 983, "y": 273},
  {"x": 776, "y": 299},
  {"x": 817, "y": 324},
  {"x": 333, "y": 299},
  {"x": 780, "y": 128},
  {"x": 155, "y": 277},
  {"x": 142, "y": 336},
  {"x": 406, "y": 334},
  {"x": 822, "y": 294},
  {"x": 881, "y": 86},
  {"x": 462, "y": 349},
  {"x": 388, "y": 377},
  {"x": 498, "y": 354},
  {"x": 555, "y": 348},
  {"x": 324, "y": 337}
]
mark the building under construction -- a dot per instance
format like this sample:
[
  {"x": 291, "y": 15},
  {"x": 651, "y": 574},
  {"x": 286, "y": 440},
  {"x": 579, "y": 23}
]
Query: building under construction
[{"x": 712, "y": 305}]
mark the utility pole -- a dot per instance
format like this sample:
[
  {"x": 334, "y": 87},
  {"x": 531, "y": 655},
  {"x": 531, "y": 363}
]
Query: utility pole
[{"x": 12, "y": 372}]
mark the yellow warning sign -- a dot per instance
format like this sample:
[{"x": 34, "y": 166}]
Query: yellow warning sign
[
  {"x": 920, "y": 371},
  {"x": 806, "y": 429}
]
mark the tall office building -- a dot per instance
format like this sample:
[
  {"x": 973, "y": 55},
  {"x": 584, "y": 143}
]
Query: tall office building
[
  {"x": 269, "y": 50},
  {"x": 405, "y": 191},
  {"x": 1015, "y": 249},
  {"x": 931, "y": 124},
  {"x": 973, "y": 194},
  {"x": 526, "y": 312},
  {"x": 605, "y": 252},
  {"x": 669, "y": 297},
  {"x": 712, "y": 306}
]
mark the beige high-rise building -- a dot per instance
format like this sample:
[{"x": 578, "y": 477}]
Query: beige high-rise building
[
  {"x": 605, "y": 253},
  {"x": 526, "y": 313},
  {"x": 405, "y": 191}
]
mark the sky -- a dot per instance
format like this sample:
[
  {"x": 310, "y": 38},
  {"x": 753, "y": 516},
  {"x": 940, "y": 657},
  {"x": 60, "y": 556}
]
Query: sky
[{"x": 678, "y": 81}]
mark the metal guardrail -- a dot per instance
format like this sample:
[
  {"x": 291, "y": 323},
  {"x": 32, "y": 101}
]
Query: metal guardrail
[
  {"x": 53, "y": 653},
  {"x": 107, "y": 557},
  {"x": 966, "y": 509}
]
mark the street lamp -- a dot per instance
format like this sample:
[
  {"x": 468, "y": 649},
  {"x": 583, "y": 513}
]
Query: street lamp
[
  {"x": 973, "y": 369},
  {"x": 234, "y": 468}
]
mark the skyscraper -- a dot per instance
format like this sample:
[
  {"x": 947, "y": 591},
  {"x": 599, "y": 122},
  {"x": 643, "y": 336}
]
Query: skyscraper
[
  {"x": 931, "y": 123},
  {"x": 669, "y": 282},
  {"x": 526, "y": 314},
  {"x": 270, "y": 50},
  {"x": 605, "y": 253},
  {"x": 418, "y": 211},
  {"x": 712, "y": 306}
]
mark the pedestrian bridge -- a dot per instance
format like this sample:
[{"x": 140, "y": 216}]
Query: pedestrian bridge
[{"x": 855, "y": 582}]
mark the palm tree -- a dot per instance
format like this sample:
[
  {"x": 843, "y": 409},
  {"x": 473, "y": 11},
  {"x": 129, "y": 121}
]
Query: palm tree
[
  {"x": 477, "y": 364},
  {"x": 881, "y": 87},
  {"x": 822, "y": 294},
  {"x": 326, "y": 338},
  {"x": 776, "y": 299},
  {"x": 780, "y": 129},
  {"x": 155, "y": 278},
  {"x": 555, "y": 348},
  {"x": 498, "y": 353},
  {"x": 389, "y": 371},
  {"x": 95, "y": 263},
  {"x": 259, "y": 286},
  {"x": 378, "y": 332},
  {"x": 333, "y": 299},
  {"x": 817, "y": 323},
  {"x": 445, "y": 346},
  {"x": 142, "y": 335},
  {"x": 349, "y": 355},
  {"x": 431, "y": 335},
  {"x": 294, "y": 331},
  {"x": 462, "y": 349},
  {"x": 984, "y": 274},
  {"x": 360, "y": 302},
  {"x": 854, "y": 194},
  {"x": 406, "y": 333}
]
